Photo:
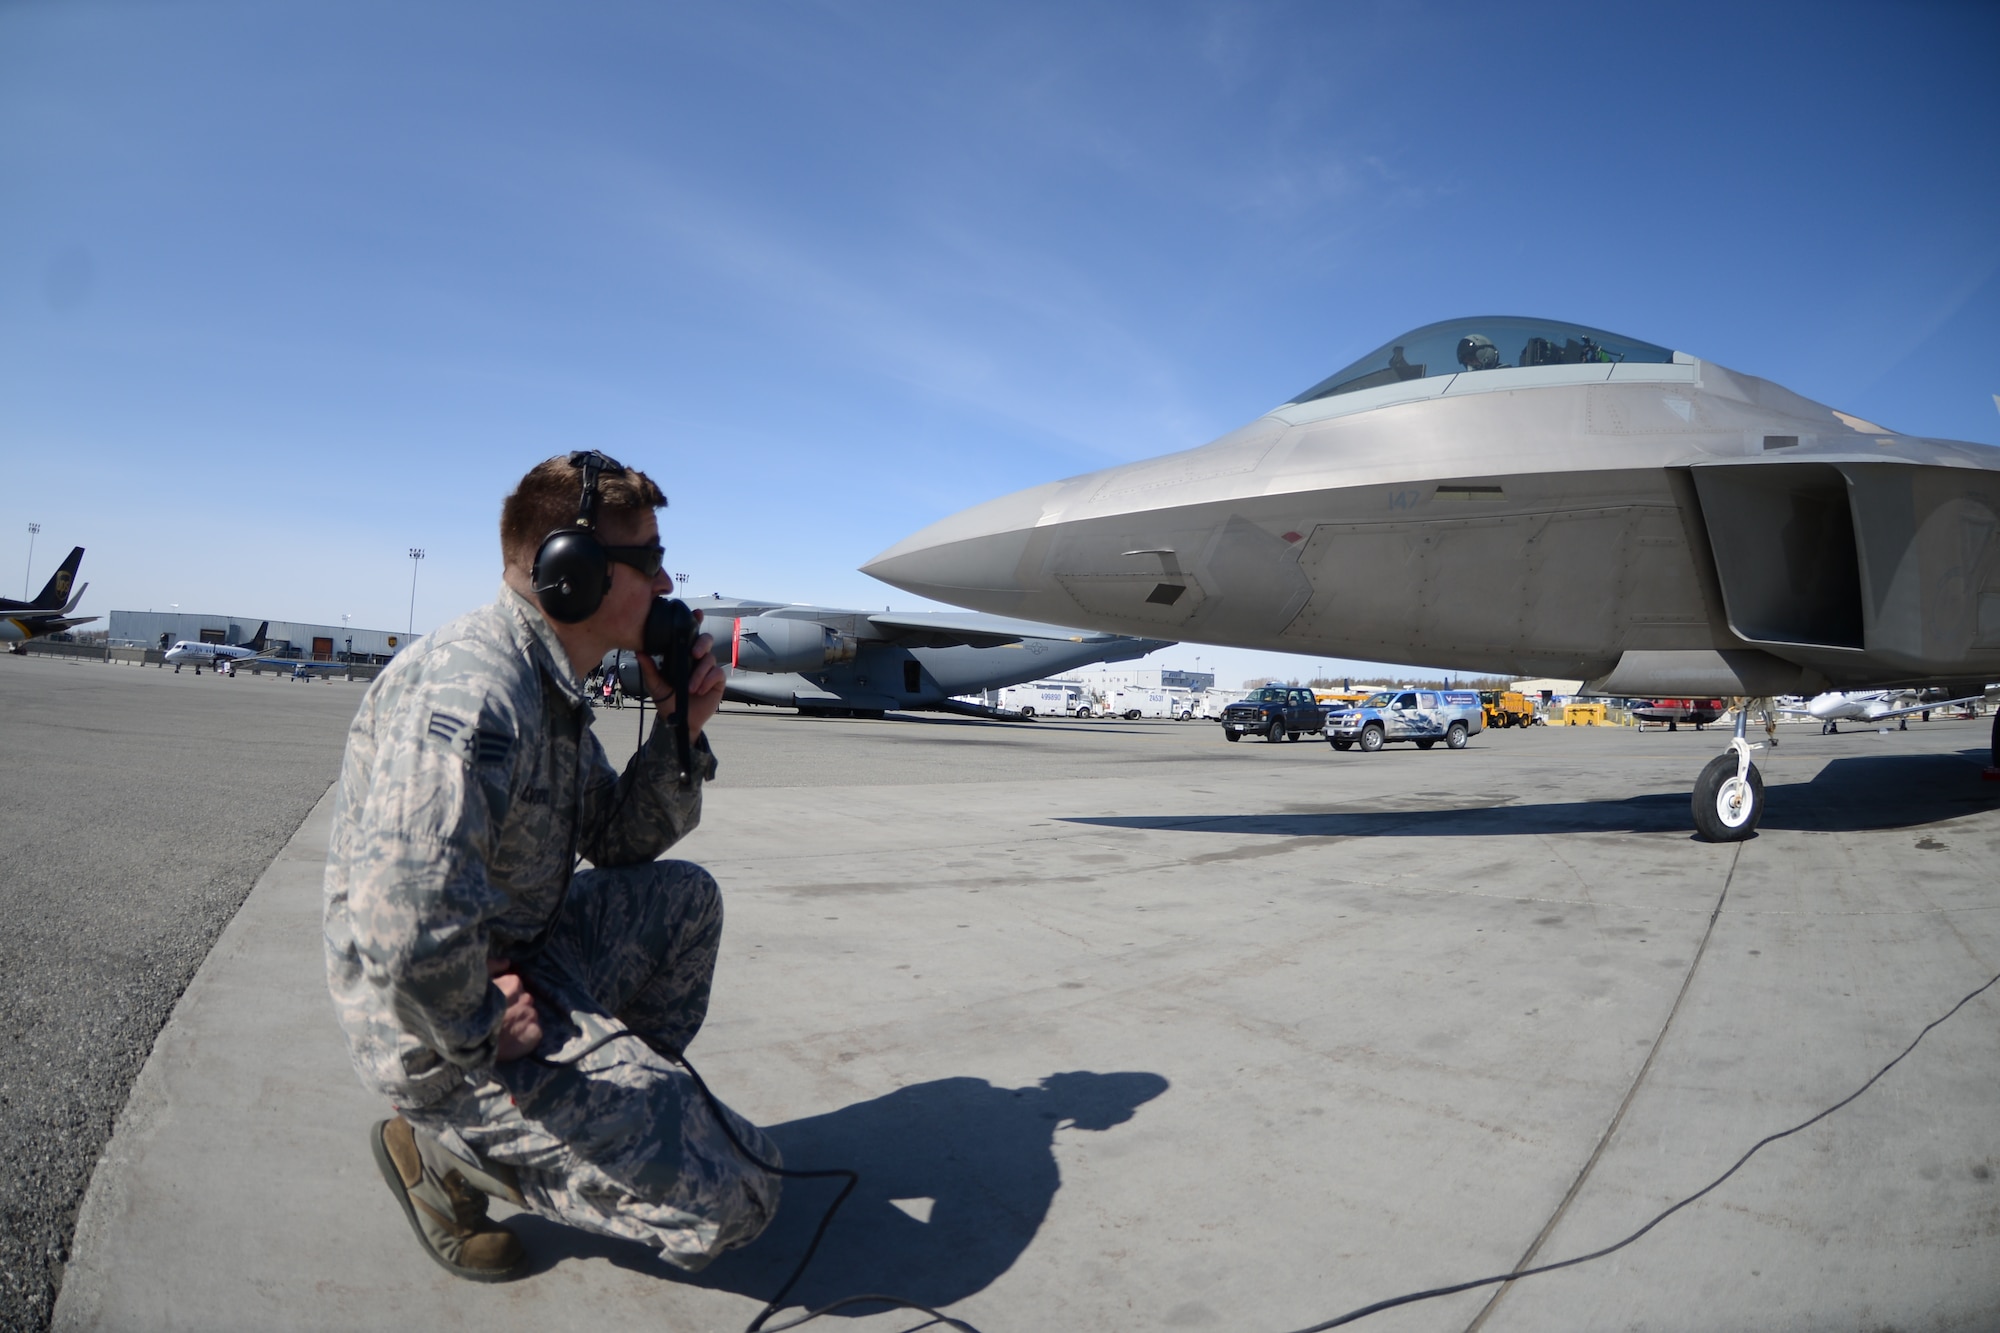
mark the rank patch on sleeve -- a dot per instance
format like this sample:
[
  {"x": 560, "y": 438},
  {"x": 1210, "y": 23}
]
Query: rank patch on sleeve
[
  {"x": 492, "y": 747},
  {"x": 450, "y": 733}
]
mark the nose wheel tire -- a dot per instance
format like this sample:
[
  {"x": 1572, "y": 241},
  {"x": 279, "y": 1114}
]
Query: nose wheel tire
[{"x": 1726, "y": 807}]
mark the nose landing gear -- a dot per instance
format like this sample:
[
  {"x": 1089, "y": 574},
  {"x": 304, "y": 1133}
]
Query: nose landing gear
[{"x": 1729, "y": 795}]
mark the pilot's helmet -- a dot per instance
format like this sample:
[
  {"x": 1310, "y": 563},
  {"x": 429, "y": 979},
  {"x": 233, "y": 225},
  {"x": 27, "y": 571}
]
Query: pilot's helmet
[{"x": 1477, "y": 352}]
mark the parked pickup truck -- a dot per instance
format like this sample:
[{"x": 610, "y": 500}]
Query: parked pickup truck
[
  {"x": 1273, "y": 711},
  {"x": 1422, "y": 716}
]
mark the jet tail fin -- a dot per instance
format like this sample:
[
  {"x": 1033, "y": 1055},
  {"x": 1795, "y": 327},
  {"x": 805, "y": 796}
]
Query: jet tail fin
[
  {"x": 55, "y": 593},
  {"x": 255, "y": 643}
]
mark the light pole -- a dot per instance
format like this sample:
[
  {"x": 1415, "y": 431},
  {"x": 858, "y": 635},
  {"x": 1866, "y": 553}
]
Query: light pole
[
  {"x": 28, "y": 577},
  {"x": 416, "y": 555},
  {"x": 346, "y": 625}
]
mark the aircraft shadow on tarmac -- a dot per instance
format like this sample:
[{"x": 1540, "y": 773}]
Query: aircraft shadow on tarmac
[
  {"x": 1848, "y": 796},
  {"x": 979, "y": 1158}
]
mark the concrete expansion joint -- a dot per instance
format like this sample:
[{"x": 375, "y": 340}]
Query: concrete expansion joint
[{"x": 1631, "y": 1094}]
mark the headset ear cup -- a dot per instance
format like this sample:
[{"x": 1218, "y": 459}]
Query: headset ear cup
[{"x": 571, "y": 575}]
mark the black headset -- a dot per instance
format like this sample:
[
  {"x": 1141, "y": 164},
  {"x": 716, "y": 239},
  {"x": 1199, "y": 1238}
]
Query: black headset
[{"x": 571, "y": 574}]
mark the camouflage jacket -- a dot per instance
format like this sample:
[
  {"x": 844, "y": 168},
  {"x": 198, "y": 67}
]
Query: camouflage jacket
[{"x": 470, "y": 783}]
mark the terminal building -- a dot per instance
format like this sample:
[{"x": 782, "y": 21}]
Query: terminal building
[{"x": 286, "y": 638}]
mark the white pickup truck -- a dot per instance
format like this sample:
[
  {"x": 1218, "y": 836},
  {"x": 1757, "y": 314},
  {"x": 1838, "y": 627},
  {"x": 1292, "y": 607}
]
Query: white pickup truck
[{"x": 1424, "y": 717}]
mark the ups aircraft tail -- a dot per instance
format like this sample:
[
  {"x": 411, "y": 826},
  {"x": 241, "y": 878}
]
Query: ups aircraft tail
[{"x": 54, "y": 595}]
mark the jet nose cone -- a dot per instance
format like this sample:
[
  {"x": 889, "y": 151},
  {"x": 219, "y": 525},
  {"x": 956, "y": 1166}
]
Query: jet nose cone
[{"x": 974, "y": 558}]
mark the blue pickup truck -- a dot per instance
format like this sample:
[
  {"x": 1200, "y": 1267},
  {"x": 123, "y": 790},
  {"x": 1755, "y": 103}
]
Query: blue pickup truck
[
  {"x": 1424, "y": 717},
  {"x": 1274, "y": 712}
]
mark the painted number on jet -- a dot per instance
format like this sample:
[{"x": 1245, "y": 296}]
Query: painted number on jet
[{"x": 1404, "y": 499}]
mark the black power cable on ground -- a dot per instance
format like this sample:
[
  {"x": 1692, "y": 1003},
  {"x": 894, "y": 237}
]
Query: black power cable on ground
[
  {"x": 1412, "y": 1298},
  {"x": 853, "y": 1178}
]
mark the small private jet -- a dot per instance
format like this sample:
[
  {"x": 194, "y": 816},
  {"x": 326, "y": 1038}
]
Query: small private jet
[
  {"x": 1836, "y": 706},
  {"x": 1697, "y": 713},
  {"x": 212, "y": 655}
]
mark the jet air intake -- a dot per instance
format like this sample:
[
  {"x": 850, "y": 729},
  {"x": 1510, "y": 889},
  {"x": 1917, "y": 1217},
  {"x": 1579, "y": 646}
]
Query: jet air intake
[{"x": 780, "y": 644}]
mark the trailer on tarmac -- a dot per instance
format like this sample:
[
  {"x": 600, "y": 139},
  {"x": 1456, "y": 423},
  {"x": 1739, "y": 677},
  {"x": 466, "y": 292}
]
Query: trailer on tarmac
[
  {"x": 1133, "y": 702},
  {"x": 1041, "y": 699}
]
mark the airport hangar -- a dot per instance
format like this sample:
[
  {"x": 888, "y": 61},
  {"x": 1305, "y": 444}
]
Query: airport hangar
[{"x": 285, "y": 638}]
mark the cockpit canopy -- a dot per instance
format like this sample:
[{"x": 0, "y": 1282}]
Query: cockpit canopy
[{"x": 1487, "y": 343}]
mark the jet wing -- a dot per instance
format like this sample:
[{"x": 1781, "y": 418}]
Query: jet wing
[
  {"x": 950, "y": 629},
  {"x": 1921, "y": 708},
  {"x": 290, "y": 663}
]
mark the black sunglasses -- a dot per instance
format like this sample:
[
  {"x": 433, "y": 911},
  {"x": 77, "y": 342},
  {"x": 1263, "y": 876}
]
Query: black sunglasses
[{"x": 646, "y": 559}]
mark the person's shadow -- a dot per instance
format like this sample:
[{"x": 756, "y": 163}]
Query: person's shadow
[{"x": 956, "y": 1177}]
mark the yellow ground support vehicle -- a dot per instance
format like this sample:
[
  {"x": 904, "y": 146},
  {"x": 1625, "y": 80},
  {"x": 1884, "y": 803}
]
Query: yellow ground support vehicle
[
  {"x": 1506, "y": 708},
  {"x": 1340, "y": 698}
]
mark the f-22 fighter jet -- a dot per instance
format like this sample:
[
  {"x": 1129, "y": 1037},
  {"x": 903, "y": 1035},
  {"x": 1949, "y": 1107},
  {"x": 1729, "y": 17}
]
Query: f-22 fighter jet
[{"x": 1527, "y": 497}]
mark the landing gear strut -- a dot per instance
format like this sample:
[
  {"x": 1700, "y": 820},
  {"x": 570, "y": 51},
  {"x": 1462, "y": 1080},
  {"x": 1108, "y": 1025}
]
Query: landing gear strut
[{"x": 1729, "y": 795}]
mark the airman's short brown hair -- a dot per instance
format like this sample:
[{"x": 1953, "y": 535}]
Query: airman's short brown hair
[{"x": 549, "y": 496}]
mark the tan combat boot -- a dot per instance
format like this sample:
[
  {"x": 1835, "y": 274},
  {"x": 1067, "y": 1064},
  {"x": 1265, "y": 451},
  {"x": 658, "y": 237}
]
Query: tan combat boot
[{"x": 445, "y": 1210}]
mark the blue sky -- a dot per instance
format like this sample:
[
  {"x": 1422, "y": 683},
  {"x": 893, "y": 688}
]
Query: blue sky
[{"x": 288, "y": 289}]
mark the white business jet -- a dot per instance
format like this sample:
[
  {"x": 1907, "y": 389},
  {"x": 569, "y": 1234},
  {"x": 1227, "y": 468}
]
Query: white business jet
[
  {"x": 212, "y": 655},
  {"x": 1838, "y": 706}
]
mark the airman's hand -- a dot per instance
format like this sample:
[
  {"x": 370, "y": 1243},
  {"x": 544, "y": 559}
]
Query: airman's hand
[
  {"x": 521, "y": 1025},
  {"x": 704, "y": 685}
]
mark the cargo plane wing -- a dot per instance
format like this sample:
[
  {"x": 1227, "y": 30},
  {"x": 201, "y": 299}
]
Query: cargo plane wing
[
  {"x": 1521, "y": 496},
  {"x": 826, "y": 660}
]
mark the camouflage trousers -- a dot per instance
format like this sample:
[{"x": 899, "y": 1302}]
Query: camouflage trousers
[{"x": 619, "y": 1141}]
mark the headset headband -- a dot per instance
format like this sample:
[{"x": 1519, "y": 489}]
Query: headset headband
[{"x": 593, "y": 464}]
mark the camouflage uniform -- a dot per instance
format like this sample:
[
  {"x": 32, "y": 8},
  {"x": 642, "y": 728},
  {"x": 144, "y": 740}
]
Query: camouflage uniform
[{"x": 470, "y": 783}]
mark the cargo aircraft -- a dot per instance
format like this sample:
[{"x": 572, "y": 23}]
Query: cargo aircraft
[
  {"x": 1529, "y": 497},
  {"x": 833, "y": 662},
  {"x": 49, "y": 611}
]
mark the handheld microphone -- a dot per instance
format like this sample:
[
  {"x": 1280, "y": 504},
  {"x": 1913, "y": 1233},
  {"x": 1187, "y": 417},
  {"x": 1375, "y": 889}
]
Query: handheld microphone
[{"x": 669, "y": 640}]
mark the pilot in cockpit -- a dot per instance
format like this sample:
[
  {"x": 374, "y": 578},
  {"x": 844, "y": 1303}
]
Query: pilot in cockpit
[{"x": 1477, "y": 352}]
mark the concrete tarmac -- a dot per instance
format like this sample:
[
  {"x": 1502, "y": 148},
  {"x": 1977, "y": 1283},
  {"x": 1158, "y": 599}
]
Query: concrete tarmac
[
  {"x": 1125, "y": 1027},
  {"x": 140, "y": 807}
]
